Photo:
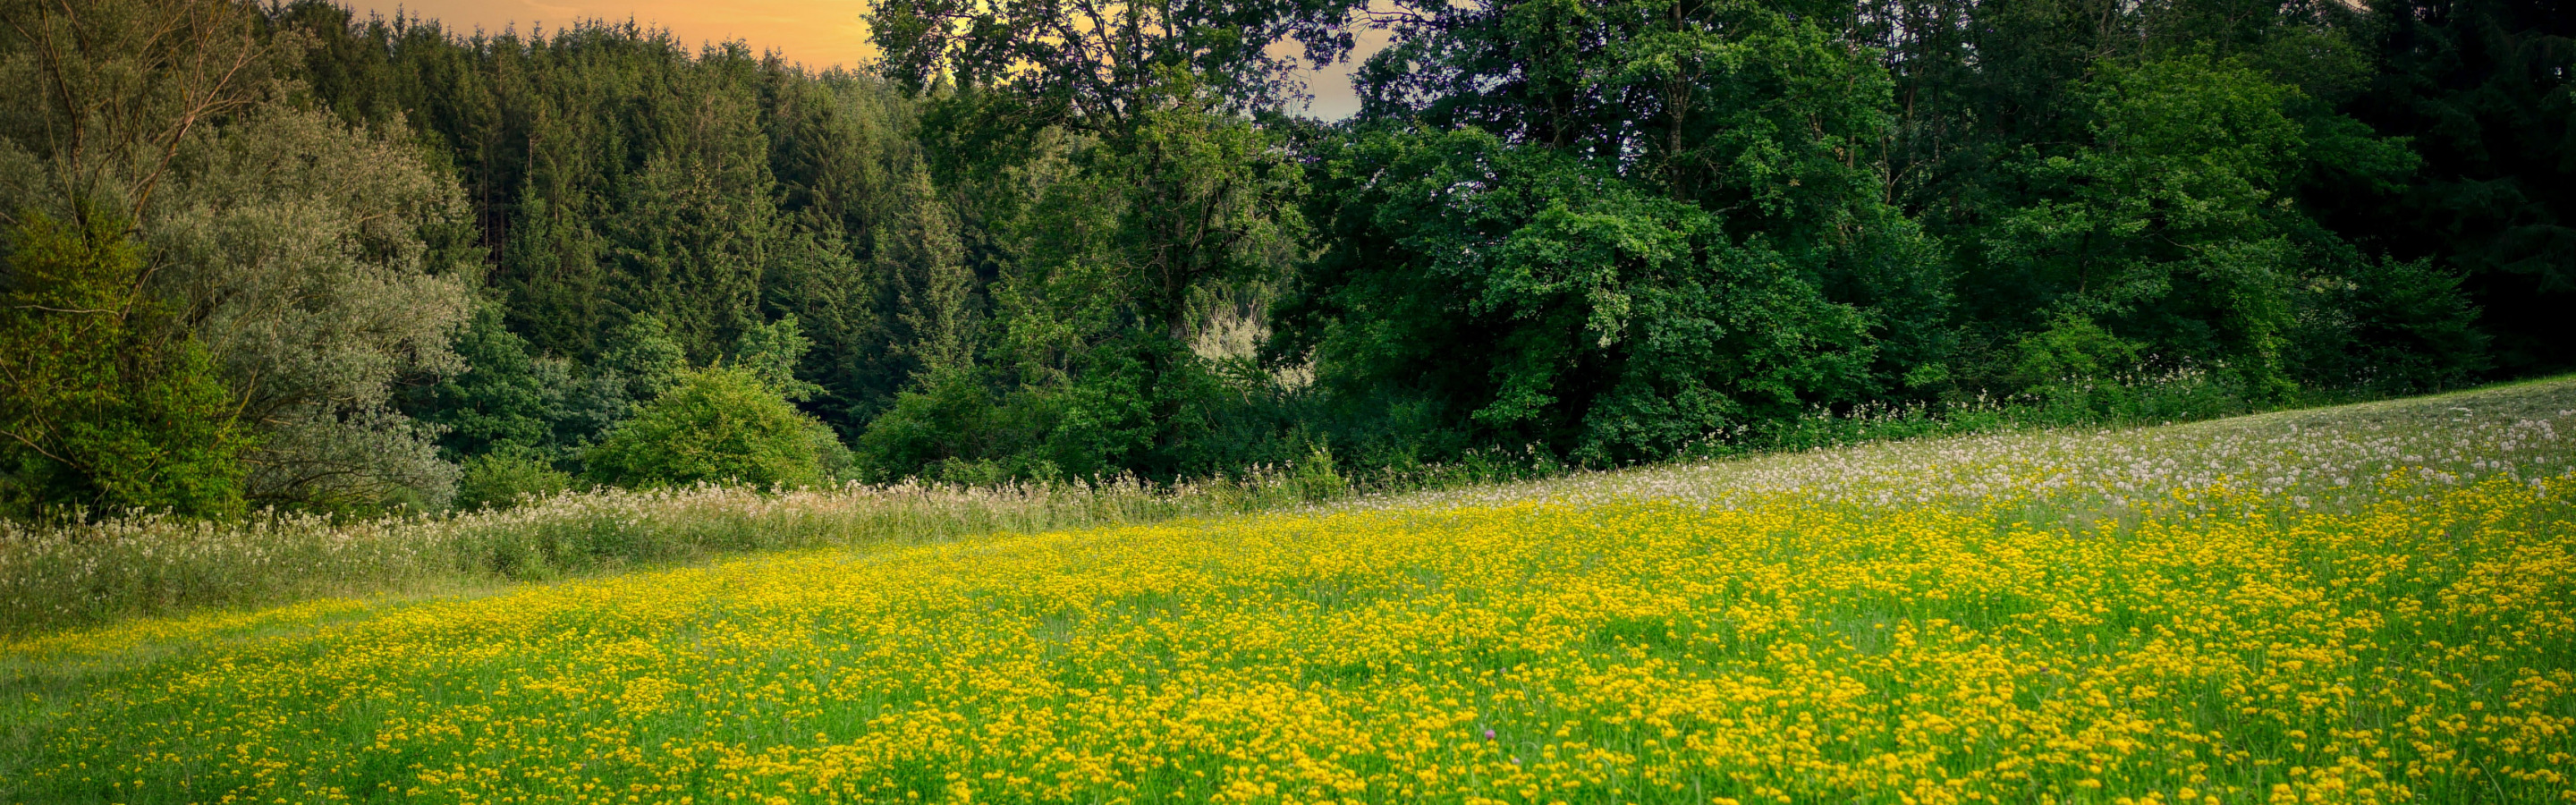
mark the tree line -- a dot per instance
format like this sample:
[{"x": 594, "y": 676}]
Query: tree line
[{"x": 281, "y": 255}]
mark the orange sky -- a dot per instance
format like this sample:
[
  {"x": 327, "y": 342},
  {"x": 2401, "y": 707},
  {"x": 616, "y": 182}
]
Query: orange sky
[{"x": 816, "y": 32}]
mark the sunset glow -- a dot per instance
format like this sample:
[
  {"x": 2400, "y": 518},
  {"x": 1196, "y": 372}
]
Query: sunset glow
[{"x": 817, "y": 33}]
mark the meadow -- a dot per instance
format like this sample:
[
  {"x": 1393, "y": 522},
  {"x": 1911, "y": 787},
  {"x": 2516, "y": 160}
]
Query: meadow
[{"x": 2364, "y": 604}]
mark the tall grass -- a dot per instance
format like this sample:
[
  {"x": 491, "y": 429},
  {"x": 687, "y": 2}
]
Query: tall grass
[
  {"x": 62, "y": 575},
  {"x": 74, "y": 573}
]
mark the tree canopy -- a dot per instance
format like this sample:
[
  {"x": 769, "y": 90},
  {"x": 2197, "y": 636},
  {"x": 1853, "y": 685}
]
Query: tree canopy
[{"x": 285, "y": 255}]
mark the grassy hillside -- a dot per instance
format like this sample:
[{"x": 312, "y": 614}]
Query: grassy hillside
[{"x": 2365, "y": 604}]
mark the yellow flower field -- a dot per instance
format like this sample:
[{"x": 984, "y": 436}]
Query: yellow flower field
[{"x": 2219, "y": 638}]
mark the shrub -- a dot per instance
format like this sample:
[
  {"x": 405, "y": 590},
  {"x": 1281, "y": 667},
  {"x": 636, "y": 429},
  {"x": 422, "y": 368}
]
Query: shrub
[
  {"x": 718, "y": 424},
  {"x": 2073, "y": 349},
  {"x": 1318, "y": 477},
  {"x": 502, "y": 478}
]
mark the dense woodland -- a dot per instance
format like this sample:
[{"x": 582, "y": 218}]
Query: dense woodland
[{"x": 286, "y": 256}]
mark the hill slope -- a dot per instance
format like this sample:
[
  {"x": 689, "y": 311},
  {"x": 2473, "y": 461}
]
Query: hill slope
[{"x": 2362, "y": 604}]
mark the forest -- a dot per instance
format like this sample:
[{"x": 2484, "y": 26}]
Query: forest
[{"x": 263, "y": 256}]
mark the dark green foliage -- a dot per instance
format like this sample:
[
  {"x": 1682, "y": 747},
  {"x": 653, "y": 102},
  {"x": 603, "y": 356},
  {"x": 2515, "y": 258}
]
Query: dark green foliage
[
  {"x": 2011, "y": 113},
  {"x": 371, "y": 255},
  {"x": 640, "y": 362},
  {"x": 1605, "y": 238},
  {"x": 504, "y": 398},
  {"x": 2486, "y": 92},
  {"x": 719, "y": 424},
  {"x": 111, "y": 406},
  {"x": 772, "y": 352},
  {"x": 2389, "y": 327},
  {"x": 2164, "y": 223},
  {"x": 690, "y": 231},
  {"x": 2072, "y": 350},
  {"x": 617, "y": 173},
  {"x": 1567, "y": 307},
  {"x": 1091, "y": 342},
  {"x": 1125, "y": 198},
  {"x": 938, "y": 429}
]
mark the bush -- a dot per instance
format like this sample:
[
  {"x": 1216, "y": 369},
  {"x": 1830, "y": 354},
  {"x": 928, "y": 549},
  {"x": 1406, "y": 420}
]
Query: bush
[
  {"x": 719, "y": 424},
  {"x": 502, "y": 478},
  {"x": 2072, "y": 350},
  {"x": 1318, "y": 477}
]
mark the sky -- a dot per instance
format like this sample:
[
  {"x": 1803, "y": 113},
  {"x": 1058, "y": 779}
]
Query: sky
[{"x": 819, "y": 33}]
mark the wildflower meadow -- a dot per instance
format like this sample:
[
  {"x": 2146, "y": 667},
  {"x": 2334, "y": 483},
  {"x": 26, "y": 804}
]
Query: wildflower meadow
[{"x": 2366, "y": 604}]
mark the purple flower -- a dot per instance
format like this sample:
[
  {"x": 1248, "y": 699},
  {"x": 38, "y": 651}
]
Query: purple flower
[{"x": 1489, "y": 734}]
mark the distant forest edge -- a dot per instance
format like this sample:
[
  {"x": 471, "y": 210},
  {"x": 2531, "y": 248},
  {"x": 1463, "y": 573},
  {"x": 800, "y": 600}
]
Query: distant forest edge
[{"x": 265, "y": 255}]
